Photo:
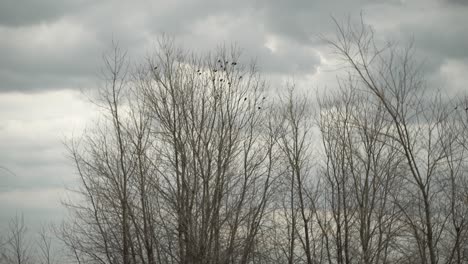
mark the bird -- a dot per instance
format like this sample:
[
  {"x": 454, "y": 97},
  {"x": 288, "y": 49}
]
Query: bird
[
  {"x": 156, "y": 67},
  {"x": 215, "y": 70},
  {"x": 456, "y": 107},
  {"x": 234, "y": 63},
  {"x": 229, "y": 83},
  {"x": 245, "y": 99},
  {"x": 264, "y": 97},
  {"x": 240, "y": 77},
  {"x": 220, "y": 80},
  {"x": 259, "y": 107},
  {"x": 219, "y": 61}
]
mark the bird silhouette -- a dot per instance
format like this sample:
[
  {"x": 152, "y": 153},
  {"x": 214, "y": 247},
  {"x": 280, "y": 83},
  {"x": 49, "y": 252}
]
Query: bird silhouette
[
  {"x": 220, "y": 80},
  {"x": 259, "y": 107},
  {"x": 234, "y": 63},
  {"x": 215, "y": 70},
  {"x": 219, "y": 61},
  {"x": 264, "y": 97},
  {"x": 245, "y": 99},
  {"x": 456, "y": 107},
  {"x": 156, "y": 67},
  {"x": 240, "y": 77}
]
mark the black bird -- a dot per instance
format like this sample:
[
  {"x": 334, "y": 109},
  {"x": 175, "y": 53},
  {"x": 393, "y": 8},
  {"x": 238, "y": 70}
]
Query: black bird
[
  {"x": 229, "y": 83},
  {"x": 155, "y": 67},
  {"x": 234, "y": 63},
  {"x": 219, "y": 61},
  {"x": 199, "y": 73},
  {"x": 259, "y": 107},
  {"x": 240, "y": 77},
  {"x": 263, "y": 98},
  {"x": 220, "y": 80},
  {"x": 245, "y": 99},
  {"x": 456, "y": 107},
  {"x": 215, "y": 70}
]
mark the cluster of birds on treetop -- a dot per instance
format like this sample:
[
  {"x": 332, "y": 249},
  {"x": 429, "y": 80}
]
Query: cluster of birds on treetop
[{"x": 223, "y": 66}]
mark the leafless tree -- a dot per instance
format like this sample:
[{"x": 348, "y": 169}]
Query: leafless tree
[
  {"x": 180, "y": 169},
  {"x": 17, "y": 248},
  {"x": 392, "y": 77},
  {"x": 44, "y": 244},
  {"x": 296, "y": 143}
]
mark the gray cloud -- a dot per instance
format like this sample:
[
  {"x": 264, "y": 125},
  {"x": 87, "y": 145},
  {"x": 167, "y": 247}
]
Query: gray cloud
[
  {"x": 61, "y": 45},
  {"x": 27, "y": 12},
  {"x": 459, "y": 2}
]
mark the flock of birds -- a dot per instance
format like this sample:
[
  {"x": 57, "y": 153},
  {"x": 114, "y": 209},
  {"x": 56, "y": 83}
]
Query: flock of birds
[
  {"x": 224, "y": 68},
  {"x": 223, "y": 65}
]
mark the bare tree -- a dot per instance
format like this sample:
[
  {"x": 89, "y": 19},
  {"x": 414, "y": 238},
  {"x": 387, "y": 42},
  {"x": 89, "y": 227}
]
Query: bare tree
[
  {"x": 44, "y": 244},
  {"x": 179, "y": 170},
  {"x": 295, "y": 142},
  {"x": 17, "y": 248},
  {"x": 392, "y": 77}
]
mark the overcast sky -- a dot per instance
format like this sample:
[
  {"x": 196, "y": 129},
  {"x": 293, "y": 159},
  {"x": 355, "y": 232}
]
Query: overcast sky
[{"x": 52, "y": 49}]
